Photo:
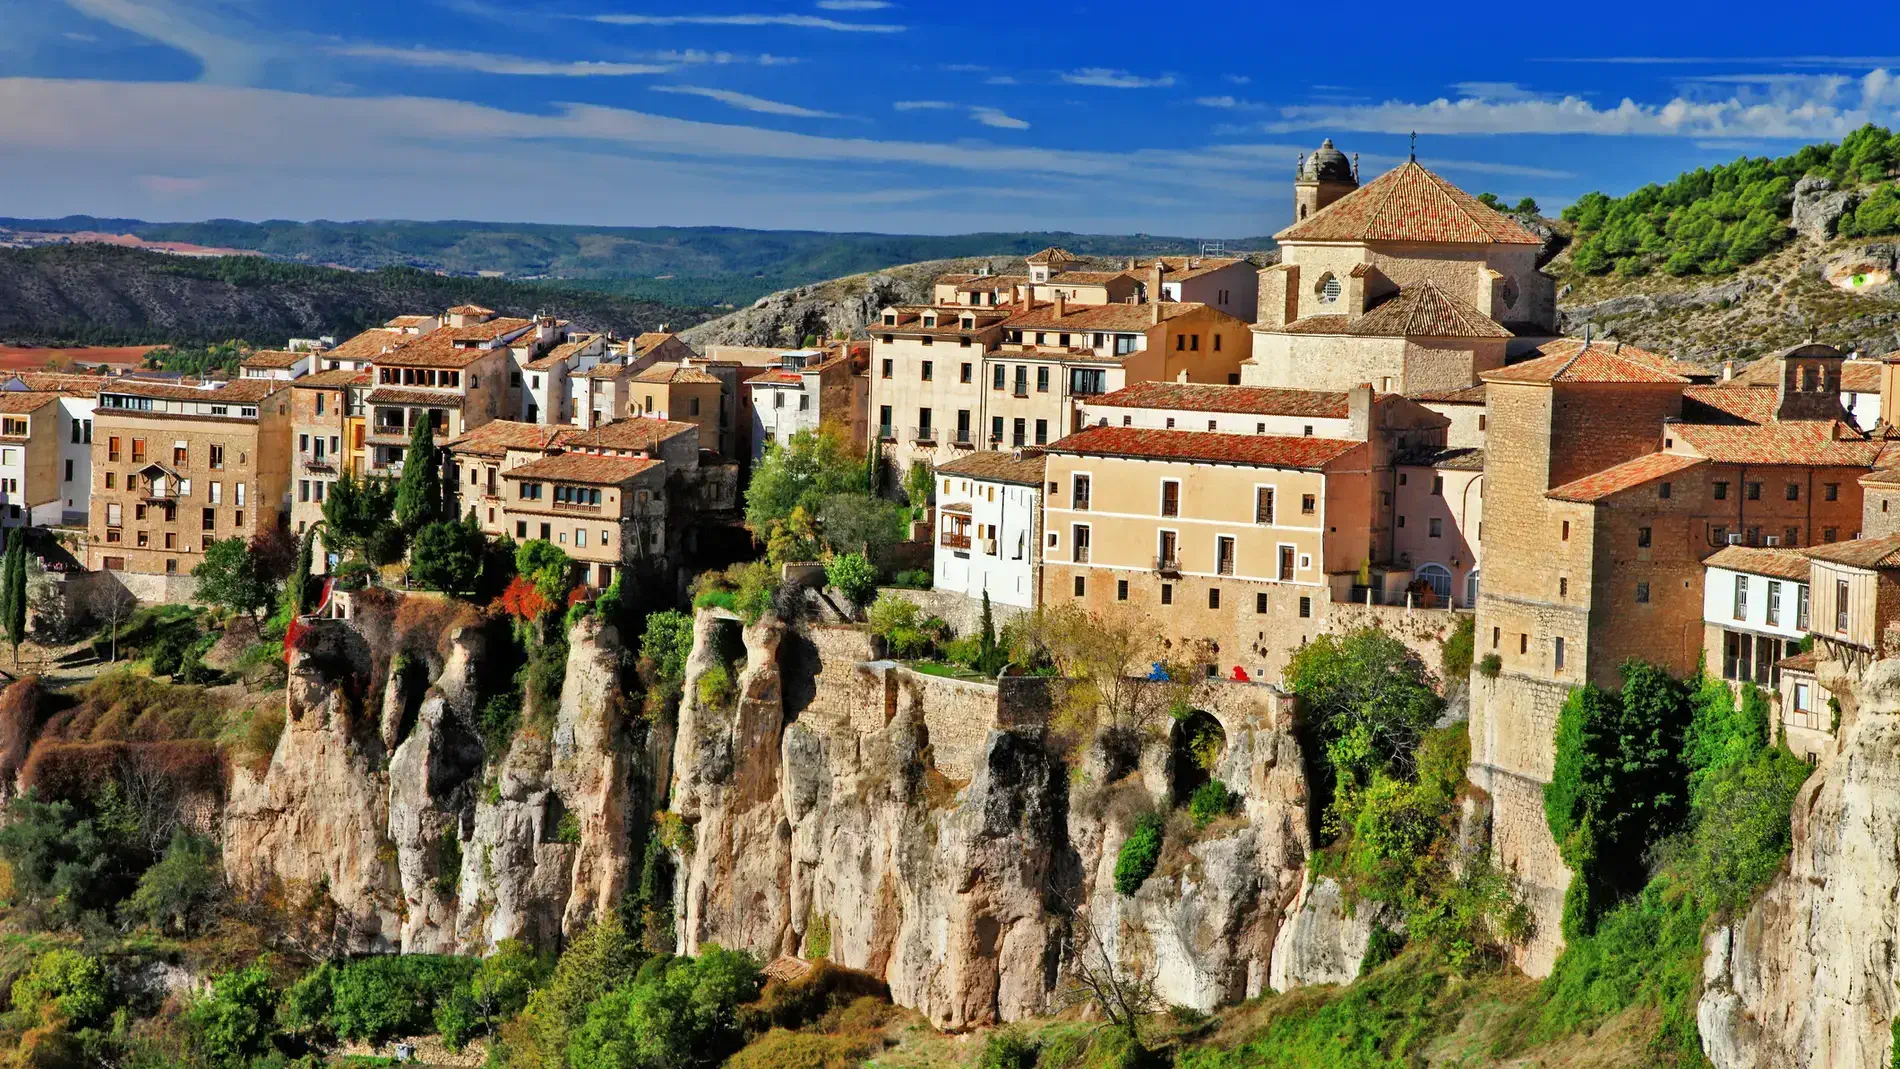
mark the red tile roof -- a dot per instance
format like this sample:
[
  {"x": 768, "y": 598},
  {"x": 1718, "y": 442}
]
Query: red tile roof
[
  {"x": 1465, "y": 395},
  {"x": 16, "y": 402},
  {"x": 997, "y": 466},
  {"x": 496, "y": 437},
  {"x": 1625, "y": 476},
  {"x": 1573, "y": 346},
  {"x": 237, "y": 391},
  {"x": 1800, "y": 443},
  {"x": 1126, "y": 318},
  {"x": 271, "y": 359},
  {"x": 1860, "y": 376},
  {"x": 1762, "y": 560},
  {"x": 1257, "y": 450},
  {"x": 1595, "y": 364},
  {"x": 335, "y": 378},
  {"x": 1409, "y": 203},
  {"x": 583, "y": 468},
  {"x": 1860, "y": 552},
  {"x": 676, "y": 374},
  {"x": 1425, "y": 310},
  {"x": 487, "y": 330},
  {"x": 59, "y": 382},
  {"x": 1050, "y": 255},
  {"x": 1251, "y": 400},
  {"x": 633, "y": 435},
  {"x": 1753, "y": 404},
  {"x": 1182, "y": 268},
  {"x": 1800, "y": 662},
  {"x": 385, "y": 395}
]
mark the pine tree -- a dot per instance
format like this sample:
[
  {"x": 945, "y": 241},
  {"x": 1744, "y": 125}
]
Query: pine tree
[{"x": 419, "y": 495}]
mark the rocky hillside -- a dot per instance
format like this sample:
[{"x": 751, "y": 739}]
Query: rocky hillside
[{"x": 100, "y": 294}]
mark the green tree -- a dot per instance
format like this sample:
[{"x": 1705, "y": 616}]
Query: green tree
[
  {"x": 179, "y": 888},
  {"x": 859, "y": 523},
  {"x": 597, "y": 959},
  {"x": 988, "y": 655},
  {"x": 64, "y": 986},
  {"x": 355, "y": 510},
  {"x": 664, "y": 648},
  {"x": 809, "y": 467},
  {"x": 233, "y": 1023},
  {"x": 15, "y": 602},
  {"x": 229, "y": 576},
  {"x": 853, "y": 576},
  {"x": 447, "y": 555},
  {"x": 419, "y": 493},
  {"x": 919, "y": 485},
  {"x": 57, "y": 858},
  {"x": 1368, "y": 700},
  {"x": 678, "y": 1012},
  {"x": 300, "y": 588},
  {"x": 544, "y": 564}
]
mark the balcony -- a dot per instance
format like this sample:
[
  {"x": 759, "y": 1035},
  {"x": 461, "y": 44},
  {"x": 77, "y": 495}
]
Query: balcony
[
  {"x": 1168, "y": 566},
  {"x": 950, "y": 540},
  {"x": 962, "y": 440},
  {"x": 924, "y": 435},
  {"x": 1021, "y": 389},
  {"x": 575, "y": 507},
  {"x": 312, "y": 462},
  {"x": 884, "y": 434}
]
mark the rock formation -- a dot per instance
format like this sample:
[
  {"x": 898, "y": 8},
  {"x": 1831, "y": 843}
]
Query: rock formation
[
  {"x": 1806, "y": 977},
  {"x": 1818, "y": 206}
]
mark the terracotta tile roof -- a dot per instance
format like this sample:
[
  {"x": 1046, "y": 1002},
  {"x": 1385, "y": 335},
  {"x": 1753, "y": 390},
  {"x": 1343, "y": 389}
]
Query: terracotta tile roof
[
  {"x": 1860, "y": 376},
  {"x": 470, "y": 310},
  {"x": 1425, "y": 310},
  {"x": 1860, "y": 552},
  {"x": 1881, "y": 477},
  {"x": 1085, "y": 278},
  {"x": 1331, "y": 324},
  {"x": 1252, "y": 400},
  {"x": 1625, "y": 476},
  {"x": 1123, "y": 318},
  {"x": 1052, "y": 254},
  {"x": 1762, "y": 560},
  {"x": 273, "y": 359},
  {"x": 1466, "y": 395},
  {"x": 58, "y": 382},
  {"x": 998, "y": 466},
  {"x": 608, "y": 369},
  {"x": 1178, "y": 269},
  {"x": 564, "y": 351},
  {"x": 16, "y": 402},
  {"x": 336, "y": 378},
  {"x": 1800, "y": 662},
  {"x": 984, "y": 283},
  {"x": 1462, "y": 459},
  {"x": 650, "y": 340},
  {"x": 1752, "y": 404},
  {"x": 583, "y": 468},
  {"x": 777, "y": 377},
  {"x": 1573, "y": 346},
  {"x": 1596, "y": 364},
  {"x": 1409, "y": 203},
  {"x": 677, "y": 374},
  {"x": 384, "y": 395},
  {"x": 244, "y": 391},
  {"x": 1801, "y": 443},
  {"x": 370, "y": 344},
  {"x": 496, "y": 437},
  {"x": 435, "y": 349},
  {"x": 488, "y": 330},
  {"x": 1258, "y": 450},
  {"x": 408, "y": 321},
  {"x": 634, "y": 435}
]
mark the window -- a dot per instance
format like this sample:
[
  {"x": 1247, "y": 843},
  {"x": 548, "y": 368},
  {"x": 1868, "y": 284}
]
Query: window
[
  {"x": 964, "y": 374},
  {"x": 1754, "y": 491},
  {"x": 884, "y": 372},
  {"x": 1642, "y": 537},
  {"x": 1663, "y": 491},
  {"x": 1081, "y": 586},
  {"x": 1079, "y": 495},
  {"x": 1087, "y": 381},
  {"x": 171, "y": 540},
  {"x": 1042, "y": 432},
  {"x": 1558, "y": 653},
  {"x": 1224, "y": 555},
  {"x": 1523, "y": 642},
  {"x": 114, "y": 515},
  {"x": 580, "y": 537},
  {"x": 1438, "y": 486},
  {"x": 210, "y": 522},
  {"x": 1328, "y": 288},
  {"x": 521, "y": 529},
  {"x": 1079, "y": 543},
  {"x": 1435, "y": 528},
  {"x": 1042, "y": 380},
  {"x": 1827, "y": 534},
  {"x": 1774, "y": 603},
  {"x": 1481, "y": 421},
  {"x": 692, "y": 406},
  {"x": 112, "y": 448},
  {"x": 1496, "y": 633},
  {"x": 1263, "y": 505},
  {"x": 996, "y": 430},
  {"x": 1121, "y": 590},
  {"x": 303, "y": 489},
  {"x": 884, "y": 421},
  {"x": 1170, "y": 497},
  {"x": 1213, "y": 597},
  {"x": 1018, "y": 431},
  {"x": 928, "y": 370},
  {"x": 1306, "y": 608},
  {"x": 1831, "y": 491},
  {"x": 1794, "y": 491},
  {"x": 112, "y": 480},
  {"x": 138, "y": 450},
  {"x": 1260, "y": 602},
  {"x": 1801, "y": 606},
  {"x": 1741, "y": 597},
  {"x": 1840, "y": 606},
  {"x": 1308, "y": 503},
  {"x": 1566, "y": 531},
  {"x": 1286, "y": 563},
  {"x": 996, "y": 380},
  {"x": 1167, "y": 593},
  {"x": 1791, "y": 536},
  {"x": 1721, "y": 491},
  {"x": 778, "y": 399},
  {"x": 69, "y": 471},
  {"x": 1642, "y": 593},
  {"x": 181, "y": 456}
]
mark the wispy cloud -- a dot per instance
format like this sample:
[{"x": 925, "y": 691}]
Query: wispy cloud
[
  {"x": 489, "y": 63},
  {"x": 747, "y": 102},
  {"x": 226, "y": 55},
  {"x": 1000, "y": 79},
  {"x": 809, "y": 22},
  {"x": 1494, "y": 91},
  {"x": 996, "y": 118},
  {"x": 695, "y": 56},
  {"x": 1849, "y": 62},
  {"x": 1106, "y": 78},
  {"x": 1817, "y": 106},
  {"x": 853, "y": 5},
  {"x": 923, "y": 105},
  {"x": 1229, "y": 103},
  {"x": 1236, "y": 79},
  {"x": 964, "y": 68}
]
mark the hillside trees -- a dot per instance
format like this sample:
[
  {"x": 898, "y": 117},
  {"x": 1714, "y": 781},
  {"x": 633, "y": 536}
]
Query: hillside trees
[
  {"x": 230, "y": 575},
  {"x": 791, "y": 484}
]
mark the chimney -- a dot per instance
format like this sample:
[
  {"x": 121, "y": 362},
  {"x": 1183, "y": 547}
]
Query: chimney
[
  {"x": 1154, "y": 282},
  {"x": 1728, "y": 370},
  {"x": 1359, "y": 412},
  {"x": 1890, "y": 390},
  {"x": 1062, "y": 305},
  {"x": 1131, "y": 264},
  {"x": 1154, "y": 313}
]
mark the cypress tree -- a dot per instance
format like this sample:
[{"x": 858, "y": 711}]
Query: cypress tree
[
  {"x": 16, "y": 593},
  {"x": 986, "y": 651},
  {"x": 298, "y": 589},
  {"x": 419, "y": 495}
]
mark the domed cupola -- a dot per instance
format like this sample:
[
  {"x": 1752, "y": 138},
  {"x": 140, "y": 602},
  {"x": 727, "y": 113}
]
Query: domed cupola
[{"x": 1322, "y": 178}]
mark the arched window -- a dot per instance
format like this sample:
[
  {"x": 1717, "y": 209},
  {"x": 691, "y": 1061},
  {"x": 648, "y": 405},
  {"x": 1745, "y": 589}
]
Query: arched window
[
  {"x": 1439, "y": 578},
  {"x": 1471, "y": 590},
  {"x": 1328, "y": 288}
]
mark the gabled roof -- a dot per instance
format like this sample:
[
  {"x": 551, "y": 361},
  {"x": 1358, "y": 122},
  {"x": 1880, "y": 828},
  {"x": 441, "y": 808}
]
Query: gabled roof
[
  {"x": 1423, "y": 309},
  {"x": 487, "y": 330},
  {"x": 1595, "y": 364},
  {"x": 583, "y": 468},
  {"x": 564, "y": 351},
  {"x": 1625, "y": 476},
  {"x": 496, "y": 437},
  {"x": 997, "y": 466},
  {"x": 1182, "y": 268},
  {"x": 1752, "y": 404},
  {"x": 1409, "y": 203},
  {"x": 60, "y": 382},
  {"x": 634, "y": 435},
  {"x": 273, "y": 359},
  {"x": 1860, "y": 376},
  {"x": 1860, "y": 552},
  {"x": 1051, "y": 255},
  {"x": 335, "y": 378},
  {"x": 1762, "y": 560},
  {"x": 1255, "y": 450},
  {"x": 1464, "y": 395},
  {"x": 18, "y": 402},
  {"x": 676, "y": 374},
  {"x": 237, "y": 391},
  {"x": 470, "y": 310},
  {"x": 1573, "y": 346},
  {"x": 1249, "y": 400},
  {"x": 1795, "y": 443},
  {"x": 651, "y": 340},
  {"x": 370, "y": 344},
  {"x": 1123, "y": 318},
  {"x": 389, "y": 395}
]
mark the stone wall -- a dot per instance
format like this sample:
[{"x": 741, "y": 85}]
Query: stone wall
[
  {"x": 958, "y": 610},
  {"x": 957, "y": 715},
  {"x": 1513, "y": 730},
  {"x": 149, "y": 587},
  {"x": 1422, "y": 630}
]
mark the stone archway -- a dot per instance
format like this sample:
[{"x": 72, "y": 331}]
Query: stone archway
[{"x": 1196, "y": 744}]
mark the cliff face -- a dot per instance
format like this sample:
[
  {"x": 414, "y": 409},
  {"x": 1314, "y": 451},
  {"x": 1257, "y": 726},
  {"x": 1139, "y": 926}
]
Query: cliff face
[
  {"x": 1806, "y": 977},
  {"x": 922, "y": 829},
  {"x": 394, "y": 811}
]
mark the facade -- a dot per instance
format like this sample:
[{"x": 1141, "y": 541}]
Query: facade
[
  {"x": 543, "y": 391},
  {"x": 327, "y": 429},
  {"x": 807, "y": 389},
  {"x": 606, "y": 513},
  {"x": 176, "y": 467},
  {"x": 1408, "y": 283},
  {"x": 989, "y": 527},
  {"x": 1233, "y": 544},
  {"x": 29, "y": 459},
  {"x": 1440, "y": 525},
  {"x": 684, "y": 393},
  {"x": 78, "y": 396},
  {"x": 1754, "y": 612},
  {"x": 277, "y": 364},
  {"x": 477, "y": 459},
  {"x": 1856, "y": 599},
  {"x": 1227, "y": 284}
]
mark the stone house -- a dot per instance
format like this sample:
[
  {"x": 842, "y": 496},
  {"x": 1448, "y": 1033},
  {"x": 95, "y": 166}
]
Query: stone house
[
  {"x": 606, "y": 513},
  {"x": 545, "y": 393},
  {"x": 989, "y": 526},
  {"x": 276, "y": 364},
  {"x": 809, "y": 387},
  {"x": 329, "y": 438},
  {"x": 30, "y": 486},
  {"x": 78, "y": 396}
]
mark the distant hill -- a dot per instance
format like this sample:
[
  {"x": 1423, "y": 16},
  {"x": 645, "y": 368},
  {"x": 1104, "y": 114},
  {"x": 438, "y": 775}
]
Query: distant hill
[
  {"x": 677, "y": 265},
  {"x": 105, "y": 295}
]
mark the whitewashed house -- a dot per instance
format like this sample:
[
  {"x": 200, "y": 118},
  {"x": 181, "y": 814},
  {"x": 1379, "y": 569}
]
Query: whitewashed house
[
  {"x": 989, "y": 516},
  {"x": 1754, "y": 612}
]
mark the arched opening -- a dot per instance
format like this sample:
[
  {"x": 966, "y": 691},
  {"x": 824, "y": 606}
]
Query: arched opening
[
  {"x": 1195, "y": 746},
  {"x": 1437, "y": 581},
  {"x": 1327, "y": 288}
]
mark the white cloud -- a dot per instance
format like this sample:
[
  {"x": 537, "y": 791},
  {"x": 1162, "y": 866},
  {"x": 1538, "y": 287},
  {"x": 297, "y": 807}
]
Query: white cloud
[
  {"x": 1236, "y": 79},
  {"x": 1106, "y": 78},
  {"x": 224, "y": 53},
  {"x": 1788, "y": 61},
  {"x": 489, "y": 63},
  {"x": 747, "y": 102},
  {"x": 1228, "y": 103},
  {"x": 1493, "y": 90},
  {"x": 696, "y": 56},
  {"x": 1000, "y": 79},
  {"x": 964, "y": 68},
  {"x": 809, "y": 22},
  {"x": 994, "y": 117},
  {"x": 853, "y": 5},
  {"x": 1818, "y": 106},
  {"x": 923, "y": 105}
]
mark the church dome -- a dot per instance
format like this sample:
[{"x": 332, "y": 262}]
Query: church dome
[{"x": 1328, "y": 164}]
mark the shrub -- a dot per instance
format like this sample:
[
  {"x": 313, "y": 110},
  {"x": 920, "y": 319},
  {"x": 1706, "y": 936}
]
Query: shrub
[
  {"x": 568, "y": 830},
  {"x": 1139, "y": 854},
  {"x": 1742, "y": 828},
  {"x": 498, "y": 719},
  {"x": 716, "y": 688},
  {"x": 1455, "y": 655},
  {"x": 233, "y": 1024},
  {"x": 780, "y": 1049},
  {"x": 967, "y": 652},
  {"x": 854, "y": 577},
  {"x": 63, "y": 985},
  {"x": 1490, "y": 665},
  {"x": 180, "y": 887},
  {"x": 914, "y": 579},
  {"x": 676, "y": 1012},
  {"x": 1369, "y": 699},
  {"x": 1008, "y": 1048},
  {"x": 375, "y": 998},
  {"x": 1210, "y": 802}
]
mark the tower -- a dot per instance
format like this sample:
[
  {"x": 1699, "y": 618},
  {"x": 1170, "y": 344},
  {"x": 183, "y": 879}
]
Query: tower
[{"x": 1322, "y": 178}]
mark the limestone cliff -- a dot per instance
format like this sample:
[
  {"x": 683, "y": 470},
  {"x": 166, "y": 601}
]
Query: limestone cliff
[
  {"x": 1806, "y": 977},
  {"x": 923, "y": 829},
  {"x": 381, "y": 797}
]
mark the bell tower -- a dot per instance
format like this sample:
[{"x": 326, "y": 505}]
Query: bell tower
[{"x": 1322, "y": 178}]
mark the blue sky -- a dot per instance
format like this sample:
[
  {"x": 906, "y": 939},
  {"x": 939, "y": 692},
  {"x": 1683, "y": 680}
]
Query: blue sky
[{"x": 886, "y": 115}]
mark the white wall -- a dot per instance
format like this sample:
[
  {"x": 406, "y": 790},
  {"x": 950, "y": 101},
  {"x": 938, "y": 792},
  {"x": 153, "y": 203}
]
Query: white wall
[
  {"x": 1224, "y": 422},
  {"x": 1718, "y": 603},
  {"x": 74, "y": 493},
  {"x": 1009, "y": 574},
  {"x": 771, "y": 423}
]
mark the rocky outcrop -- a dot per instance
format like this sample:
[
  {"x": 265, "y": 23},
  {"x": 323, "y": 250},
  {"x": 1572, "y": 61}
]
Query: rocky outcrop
[
  {"x": 1806, "y": 978},
  {"x": 1323, "y": 942},
  {"x": 843, "y": 815},
  {"x": 828, "y": 309},
  {"x": 1818, "y": 207}
]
